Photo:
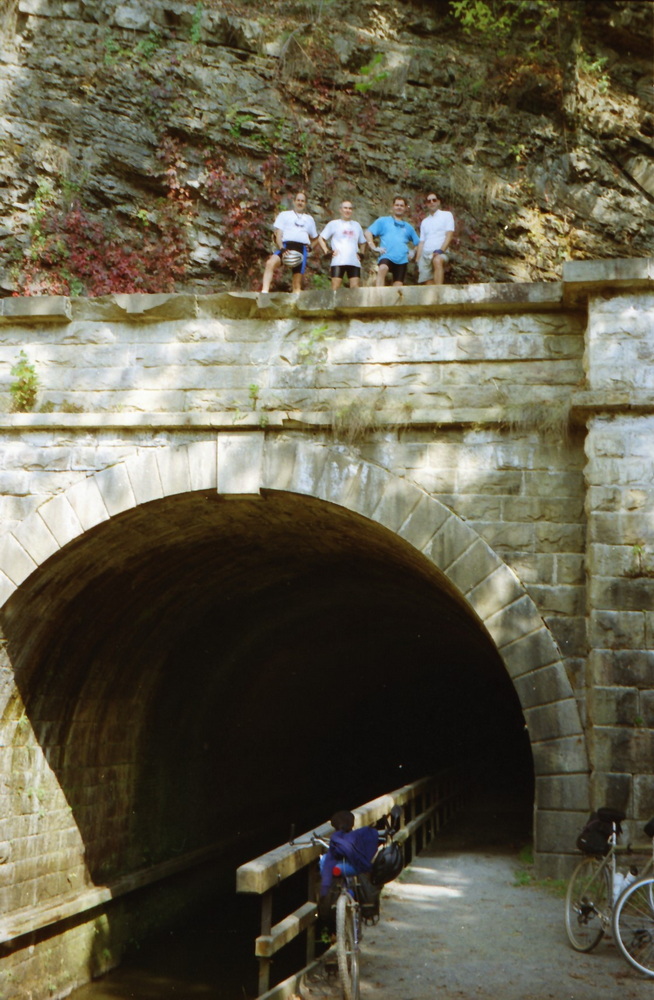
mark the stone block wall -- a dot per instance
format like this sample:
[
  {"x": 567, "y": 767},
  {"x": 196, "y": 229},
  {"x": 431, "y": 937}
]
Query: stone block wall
[
  {"x": 620, "y": 552},
  {"x": 510, "y": 406}
]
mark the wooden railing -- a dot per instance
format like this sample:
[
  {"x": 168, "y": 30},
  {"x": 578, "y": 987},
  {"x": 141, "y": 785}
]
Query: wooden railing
[{"x": 427, "y": 805}]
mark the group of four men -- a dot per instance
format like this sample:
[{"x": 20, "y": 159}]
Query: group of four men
[{"x": 296, "y": 234}]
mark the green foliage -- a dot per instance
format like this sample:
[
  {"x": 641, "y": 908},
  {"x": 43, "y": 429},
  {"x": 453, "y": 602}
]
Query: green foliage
[
  {"x": 372, "y": 78},
  {"x": 496, "y": 19},
  {"x": 24, "y": 389},
  {"x": 148, "y": 47},
  {"x": 236, "y": 121},
  {"x": 595, "y": 68},
  {"x": 195, "y": 33},
  {"x": 253, "y": 393},
  {"x": 312, "y": 348}
]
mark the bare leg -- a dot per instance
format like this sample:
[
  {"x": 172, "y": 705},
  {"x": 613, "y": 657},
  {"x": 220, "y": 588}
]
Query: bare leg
[
  {"x": 396, "y": 283},
  {"x": 272, "y": 264},
  {"x": 439, "y": 269},
  {"x": 336, "y": 283},
  {"x": 354, "y": 282},
  {"x": 382, "y": 271},
  {"x": 296, "y": 283}
]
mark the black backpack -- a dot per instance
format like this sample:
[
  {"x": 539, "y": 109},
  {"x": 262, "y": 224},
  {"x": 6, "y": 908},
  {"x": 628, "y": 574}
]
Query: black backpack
[
  {"x": 594, "y": 838},
  {"x": 387, "y": 865}
]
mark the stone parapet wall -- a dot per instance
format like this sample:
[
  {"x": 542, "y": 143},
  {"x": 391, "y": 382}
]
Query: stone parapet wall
[{"x": 422, "y": 355}]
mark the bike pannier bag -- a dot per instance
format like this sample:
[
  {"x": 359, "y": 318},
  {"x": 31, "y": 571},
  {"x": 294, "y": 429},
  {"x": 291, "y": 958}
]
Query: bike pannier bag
[
  {"x": 594, "y": 838},
  {"x": 368, "y": 896},
  {"x": 387, "y": 865}
]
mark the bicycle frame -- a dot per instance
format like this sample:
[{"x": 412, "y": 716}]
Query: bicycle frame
[{"x": 596, "y": 886}]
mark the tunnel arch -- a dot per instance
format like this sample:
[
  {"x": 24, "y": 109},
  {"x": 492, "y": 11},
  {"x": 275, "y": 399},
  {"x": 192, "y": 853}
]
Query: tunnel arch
[{"x": 255, "y": 467}]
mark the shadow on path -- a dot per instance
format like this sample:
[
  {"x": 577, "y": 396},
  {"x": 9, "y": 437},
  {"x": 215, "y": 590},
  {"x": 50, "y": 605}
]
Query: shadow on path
[{"x": 460, "y": 925}]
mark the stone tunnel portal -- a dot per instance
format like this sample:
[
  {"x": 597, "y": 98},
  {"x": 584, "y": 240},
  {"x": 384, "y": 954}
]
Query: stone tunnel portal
[{"x": 200, "y": 668}]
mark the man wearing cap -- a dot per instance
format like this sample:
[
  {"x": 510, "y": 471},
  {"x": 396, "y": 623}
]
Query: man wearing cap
[
  {"x": 436, "y": 234},
  {"x": 295, "y": 231}
]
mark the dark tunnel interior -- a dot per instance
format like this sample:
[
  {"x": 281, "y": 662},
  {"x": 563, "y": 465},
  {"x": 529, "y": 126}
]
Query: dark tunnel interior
[{"x": 200, "y": 669}]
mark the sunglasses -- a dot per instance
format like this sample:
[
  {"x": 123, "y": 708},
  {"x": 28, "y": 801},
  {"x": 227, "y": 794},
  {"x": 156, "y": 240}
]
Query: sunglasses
[{"x": 432, "y": 199}]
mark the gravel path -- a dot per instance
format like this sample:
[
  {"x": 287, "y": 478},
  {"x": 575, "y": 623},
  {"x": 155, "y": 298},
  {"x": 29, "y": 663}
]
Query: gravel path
[{"x": 456, "y": 926}]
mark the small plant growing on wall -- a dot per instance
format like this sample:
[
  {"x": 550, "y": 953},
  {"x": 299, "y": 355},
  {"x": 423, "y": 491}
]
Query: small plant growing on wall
[{"x": 24, "y": 389}]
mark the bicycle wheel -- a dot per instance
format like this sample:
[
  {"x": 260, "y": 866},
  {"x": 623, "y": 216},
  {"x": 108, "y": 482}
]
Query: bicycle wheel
[
  {"x": 347, "y": 946},
  {"x": 586, "y": 902},
  {"x": 633, "y": 924}
]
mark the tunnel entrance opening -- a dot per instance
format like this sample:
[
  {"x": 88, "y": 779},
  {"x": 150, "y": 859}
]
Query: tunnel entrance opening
[{"x": 205, "y": 671}]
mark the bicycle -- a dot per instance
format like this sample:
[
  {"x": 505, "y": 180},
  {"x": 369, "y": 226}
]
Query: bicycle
[
  {"x": 596, "y": 885},
  {"x": 353, "y": 907},
  {"x": 633, "y": 920}
]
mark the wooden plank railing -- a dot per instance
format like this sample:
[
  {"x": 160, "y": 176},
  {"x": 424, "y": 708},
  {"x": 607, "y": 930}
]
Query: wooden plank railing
[{"x": 427, "y": 805}]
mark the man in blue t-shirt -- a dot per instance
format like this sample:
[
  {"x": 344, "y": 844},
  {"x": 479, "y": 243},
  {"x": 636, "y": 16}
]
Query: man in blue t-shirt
[{"x": 395, "y": 235}]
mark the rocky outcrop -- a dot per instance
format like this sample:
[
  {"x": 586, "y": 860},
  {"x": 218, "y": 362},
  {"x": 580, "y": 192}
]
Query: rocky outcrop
[{"x": 174, "y": 129}]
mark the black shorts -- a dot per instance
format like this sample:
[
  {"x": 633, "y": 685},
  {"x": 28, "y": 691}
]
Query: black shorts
[
  {"x": 397, "y": 270},
  {"x": 340, "y": 270},
  {"x": 292, "y": 245}
]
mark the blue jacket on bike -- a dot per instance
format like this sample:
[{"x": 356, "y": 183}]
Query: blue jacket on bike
[{"x": 356, "y": 847}]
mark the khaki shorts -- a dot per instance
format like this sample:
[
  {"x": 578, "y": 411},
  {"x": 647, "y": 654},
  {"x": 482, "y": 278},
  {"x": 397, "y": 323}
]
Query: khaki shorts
[{"x": 425, "y": 269}]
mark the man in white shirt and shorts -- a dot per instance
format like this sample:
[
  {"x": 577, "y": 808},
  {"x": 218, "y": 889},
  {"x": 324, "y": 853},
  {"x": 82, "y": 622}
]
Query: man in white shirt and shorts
[
  {"x": 436, "y": 234},
  {"x": 346, "y": 237},
  {"x": 295, "y": 235}
]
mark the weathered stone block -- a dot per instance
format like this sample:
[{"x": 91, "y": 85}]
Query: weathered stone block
[
  {"x": 626, "y": 750},
  {"x": 564, "y": 792},
  {"x": 240, "y": 461},
  {"x": 143, "y": 472},
  {"x": 614, "y": 706},
  {"x": 423, "y": 522},
  {"x": 622, "y": 667},
  {"x": 450, "y": 541},
  {"x": 527, "y": 653},
  {"x": 543, "y": 686},
  {"x": 560, "y": 600},
  {"x": 554, "y": 828},
  {"x": 497, "y": 591},
  {"x": 547, "y": 722},
  {"x": 552, "y": 537},
  {"x": 61, "y": 519},
  {"x": 174, "y": 472},
  {"x": 643, "y": 788},
  {"x": 616, "y": 629},
  {"x": 202, "y": 464},
  {"x": 475, "y": 564},
  {"x": 566, "y": 755},
  {"x": 116, "y": 489},
  {"x": 395, "y": 504},
  {"x": 621, "y": 594},
  {"x": 88, "y": 503}
]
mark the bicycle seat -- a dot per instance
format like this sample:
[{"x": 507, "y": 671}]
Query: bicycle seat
[{"x": 608, "y": 815}]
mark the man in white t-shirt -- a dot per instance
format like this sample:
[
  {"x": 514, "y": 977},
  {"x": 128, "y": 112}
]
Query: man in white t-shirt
[
  {"x": 294, "y": 230},
  {"x": 346, "y": 237},
  {"x": 436, "y": 234}
]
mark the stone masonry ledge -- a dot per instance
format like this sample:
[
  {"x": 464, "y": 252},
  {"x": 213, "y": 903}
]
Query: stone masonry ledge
[
  {"x": 581, "y": 279},
  {"x": 410, "y": 300},
  {"x": 582, "y": 405}
]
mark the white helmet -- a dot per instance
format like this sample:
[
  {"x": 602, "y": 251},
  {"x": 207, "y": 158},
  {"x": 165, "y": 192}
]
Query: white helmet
[{"x": 292, "y": 257}]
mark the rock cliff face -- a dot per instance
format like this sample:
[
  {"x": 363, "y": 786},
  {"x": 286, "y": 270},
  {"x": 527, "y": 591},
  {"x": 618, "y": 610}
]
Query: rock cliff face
[{"x": 146, "y": 144}]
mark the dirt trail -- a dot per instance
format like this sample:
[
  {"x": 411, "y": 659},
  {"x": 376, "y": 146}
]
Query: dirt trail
[{"x": 456, "y": 926}]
